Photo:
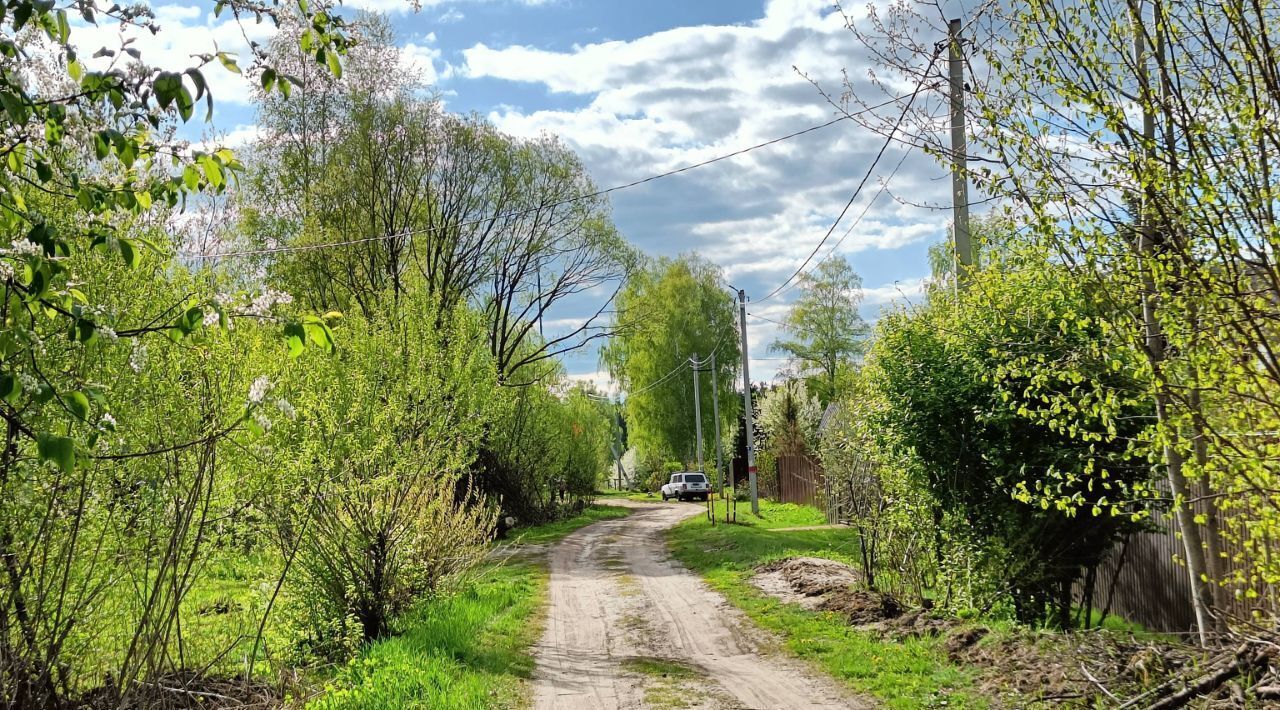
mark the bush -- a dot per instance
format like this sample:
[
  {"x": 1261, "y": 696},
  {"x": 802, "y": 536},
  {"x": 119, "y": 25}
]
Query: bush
[
  {"x": 378, "y": 505},
  {"x": 967, "y": 397}
]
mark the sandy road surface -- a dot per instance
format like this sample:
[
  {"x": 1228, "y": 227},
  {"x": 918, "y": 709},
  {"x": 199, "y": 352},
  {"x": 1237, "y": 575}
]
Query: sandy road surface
[{"x": 619, "y": 606}]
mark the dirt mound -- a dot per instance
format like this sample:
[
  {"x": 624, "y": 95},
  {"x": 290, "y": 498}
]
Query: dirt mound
[
  {"x": 813, "y": 576},
  {"x": 861, "y": 607}
]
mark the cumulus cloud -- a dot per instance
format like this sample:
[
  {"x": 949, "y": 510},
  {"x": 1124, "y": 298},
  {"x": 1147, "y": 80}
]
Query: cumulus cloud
[{"x": 687, "y": 94}]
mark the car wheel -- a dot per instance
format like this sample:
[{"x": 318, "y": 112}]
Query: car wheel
[{"x": 664, "y": 497}]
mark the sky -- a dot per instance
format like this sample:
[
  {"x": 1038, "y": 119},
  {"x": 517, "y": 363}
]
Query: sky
[{"x": 638, "y": 88}]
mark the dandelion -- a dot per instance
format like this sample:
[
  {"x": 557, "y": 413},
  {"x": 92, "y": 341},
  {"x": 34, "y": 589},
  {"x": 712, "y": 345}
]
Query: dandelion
[{"x": 258, "y": 390}]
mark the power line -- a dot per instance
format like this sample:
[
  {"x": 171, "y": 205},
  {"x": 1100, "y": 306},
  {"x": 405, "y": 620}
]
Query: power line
[
  {"x": 769, "y": 320},
  {"x": 884, "y": 186},
  {"x": 887, "y": 141},
  {"x": 568, "y": 200},
  {"x": 660, "y": 380}
]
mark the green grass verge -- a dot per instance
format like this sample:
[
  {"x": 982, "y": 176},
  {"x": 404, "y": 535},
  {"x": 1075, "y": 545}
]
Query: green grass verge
[
  {"x": 909, "y": 674},
  {"x": 463, "y": 651},
  {"x": 551, "y": 532}
]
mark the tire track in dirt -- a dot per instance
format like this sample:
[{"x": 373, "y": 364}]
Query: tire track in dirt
[{"x": 621, "y": 611}]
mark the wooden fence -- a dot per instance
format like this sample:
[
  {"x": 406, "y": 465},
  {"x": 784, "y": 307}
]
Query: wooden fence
[
  {"x": 800, "y": 480},
  {"x": 1145, "y": 580}
]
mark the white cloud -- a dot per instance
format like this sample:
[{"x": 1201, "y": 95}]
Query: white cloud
[
  {"x": 451, "y": 15},
  {"x": 600, "y": 378},
  {"x": 687, "y": 94},
  {"x": 420, "y": 59}
]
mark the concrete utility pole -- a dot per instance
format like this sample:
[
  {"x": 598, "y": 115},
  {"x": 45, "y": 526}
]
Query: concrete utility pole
[
  {"x": 746, "y": 405},
  {"x": 959, "y": 150},
  {"x": 697, "y": 409},
  {"x": 617, "y": 439},
  {"x": 715, "y": 419}
]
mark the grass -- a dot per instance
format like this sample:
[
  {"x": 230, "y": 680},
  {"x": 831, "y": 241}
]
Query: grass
[
  {"x": 464, "y": 651},
  {"x": 909, "y": 674},
  {"x": 551, "y": 532}
]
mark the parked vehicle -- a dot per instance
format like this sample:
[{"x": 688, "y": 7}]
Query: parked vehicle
[{"x": 687, "y": 485}]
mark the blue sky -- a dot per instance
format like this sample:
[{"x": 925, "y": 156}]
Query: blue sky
[{"x": 638, "y": 88}]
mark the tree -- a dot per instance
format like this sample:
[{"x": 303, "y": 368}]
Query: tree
[
  {"x": 668, "y": 312},
  {"x": 827, "y": 329},
  {"x": 421, "y": 199},
  {"x": 89, "y": 161},
  {"x": 1105, "y": 131}
]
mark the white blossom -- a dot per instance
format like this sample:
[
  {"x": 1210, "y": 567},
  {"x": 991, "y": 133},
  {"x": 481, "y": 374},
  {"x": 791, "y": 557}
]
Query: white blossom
[
  {"x": 287, "y": 409},
  {"x": 258, "y": 390},
  {"x": 6, "y": 270},
  {"x": 25, "y": 247},
  {"x": 138, "y": 358},
  {"x": 262, "y": 421},
  {"x": 262, "y": 305},
  {"x": 211, "y": 319},
  {"x": 30, "y": 384},
  {"x": 107, "y": 421},
  {"x": 108, "y": 334}
]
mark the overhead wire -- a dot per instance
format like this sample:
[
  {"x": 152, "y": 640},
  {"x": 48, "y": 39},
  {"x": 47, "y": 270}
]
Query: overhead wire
[
  {"x": 884, "y": 186},
  {"x": 866, "y": 176},
  {"x": 568, "y": 200}
]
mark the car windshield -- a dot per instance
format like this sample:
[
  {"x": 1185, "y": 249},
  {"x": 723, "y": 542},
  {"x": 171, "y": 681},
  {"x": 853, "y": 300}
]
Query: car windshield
[{"x": 695, "y": 479}]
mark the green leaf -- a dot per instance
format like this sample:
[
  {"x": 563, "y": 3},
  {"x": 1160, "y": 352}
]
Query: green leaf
[
  {"x": 296, "y": 337},
  {"x": 166, "y": 87},
  {"x": 335, "y": 67},
  {"x": 77, "y": 403},
  {"x": 129, "y": 253},
  {"x": 191, "y": 177},
  {"x": 229, "y": 62},
  {"x": 9, "y": 388},
  {"x": 59, "y": 449},
  {"x": 186, "y": 104},
  {"x": 268, "y": 79}
]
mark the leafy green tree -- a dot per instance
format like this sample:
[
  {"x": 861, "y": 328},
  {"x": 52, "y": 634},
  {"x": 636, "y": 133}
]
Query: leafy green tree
[
  {"x": 971, "y": 393},
  {"x": 670, "y": 311},
  {"x": 432, "y": 201},
  {"x": 827, "y": 331}
]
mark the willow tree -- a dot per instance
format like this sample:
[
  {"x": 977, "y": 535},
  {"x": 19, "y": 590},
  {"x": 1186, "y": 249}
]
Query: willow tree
[{"x": 669, "y": 312}]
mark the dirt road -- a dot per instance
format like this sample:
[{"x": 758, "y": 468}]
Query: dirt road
[{"x": 630, "y": 628}]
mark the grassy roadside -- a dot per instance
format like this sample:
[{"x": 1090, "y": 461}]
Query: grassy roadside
[
  {"x": 470, "y": 650},
  {"x": 910, "y": 674}
]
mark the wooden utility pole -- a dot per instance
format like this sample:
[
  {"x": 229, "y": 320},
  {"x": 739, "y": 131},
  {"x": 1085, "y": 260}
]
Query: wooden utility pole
[
  {"x": 961, "y": 242},
  {"x": 746, "y": 405}
]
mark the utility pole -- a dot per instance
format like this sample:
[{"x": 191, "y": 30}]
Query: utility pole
[
  {"x": 617, "y": 439},
  {"x": 697, "y": 409},
  {"x": 959, "y": 150},
  {"x": 746, "y": 405},
  {"x": 715, "y": 418}
]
